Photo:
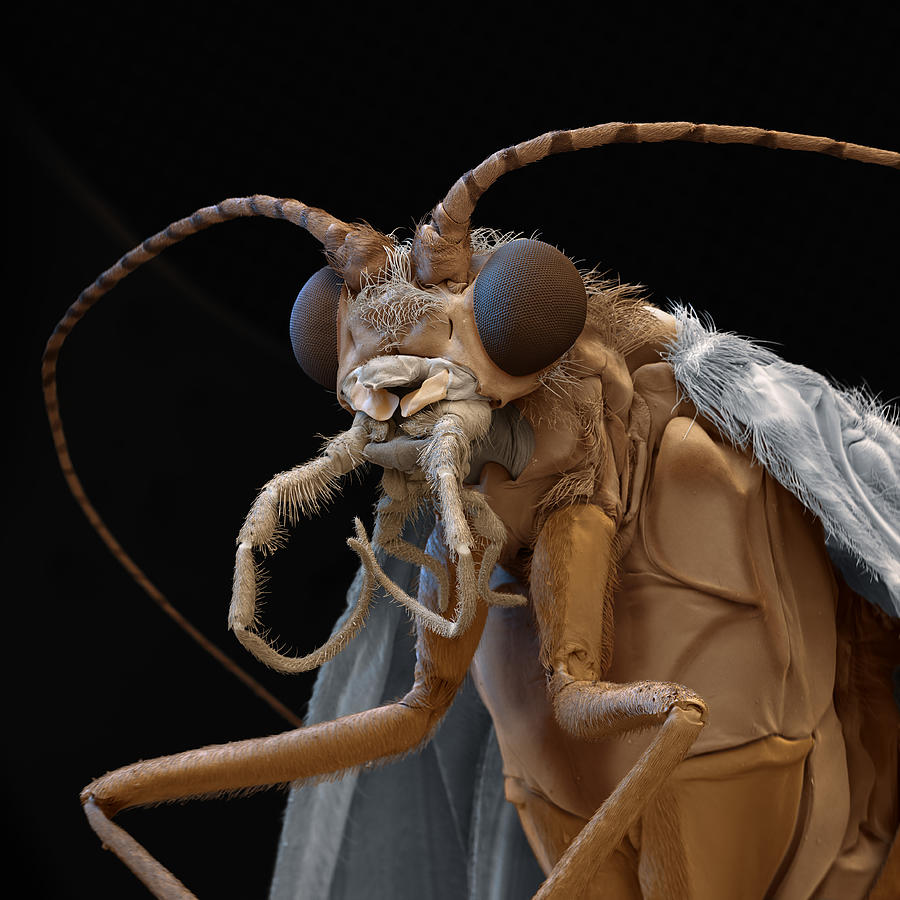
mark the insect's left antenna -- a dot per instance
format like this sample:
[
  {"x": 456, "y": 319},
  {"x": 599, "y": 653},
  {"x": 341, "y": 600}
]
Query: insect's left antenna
[
  {"x": 345, "y": 255},
  {"x": 442, "y": 249}
]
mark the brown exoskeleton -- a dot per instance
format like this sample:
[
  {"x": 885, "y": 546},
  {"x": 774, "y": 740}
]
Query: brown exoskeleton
[{"x": 581, "y": 477}]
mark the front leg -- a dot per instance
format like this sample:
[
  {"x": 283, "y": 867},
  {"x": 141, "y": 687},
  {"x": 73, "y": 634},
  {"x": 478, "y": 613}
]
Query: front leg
[
  {"x": 572, "y": 583},
  {"x": 308, "y": 752}
]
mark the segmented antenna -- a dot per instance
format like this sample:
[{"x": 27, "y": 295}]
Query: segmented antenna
[
  {"x": 322, "y": 226},
  {"x": 442, "y": 250}
]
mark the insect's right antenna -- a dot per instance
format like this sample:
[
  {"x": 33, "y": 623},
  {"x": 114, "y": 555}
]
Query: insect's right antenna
[
  {"x": 442, "y": 250},
  {"x": 352, "y": 250}
]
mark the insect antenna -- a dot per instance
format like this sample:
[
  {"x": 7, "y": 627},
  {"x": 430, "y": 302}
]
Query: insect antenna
[
  {"x": 442, "y": 250},
  {"x": 349, "y": 257}
]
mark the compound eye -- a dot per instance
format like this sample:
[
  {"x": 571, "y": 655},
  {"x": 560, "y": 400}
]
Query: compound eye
[
  {"x": 530, "y": 306},
  {"x": 314, "y": 326}
]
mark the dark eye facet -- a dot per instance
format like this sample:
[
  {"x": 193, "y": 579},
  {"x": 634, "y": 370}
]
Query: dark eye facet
[
  {"x": 314, "y": 326},
  {"x": 530, "y": 306}
]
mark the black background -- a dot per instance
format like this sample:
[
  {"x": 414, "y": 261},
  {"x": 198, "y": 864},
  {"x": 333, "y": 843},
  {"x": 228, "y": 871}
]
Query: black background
[{"x": 179, "y": 391}]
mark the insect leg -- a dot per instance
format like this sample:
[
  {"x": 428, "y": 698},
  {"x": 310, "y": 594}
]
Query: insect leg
[
  {"x": 228, "y": 768},
  {"x": 590, "y": 849},
  {"x": 309, "y": 752},
  {"x": 571, "y": 585}
]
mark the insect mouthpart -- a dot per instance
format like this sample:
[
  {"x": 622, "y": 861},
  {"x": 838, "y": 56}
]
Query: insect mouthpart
[{"x": 411, "y": 383}]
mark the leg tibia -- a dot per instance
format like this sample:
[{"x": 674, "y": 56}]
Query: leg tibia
[{"x": 302, "y": 753}]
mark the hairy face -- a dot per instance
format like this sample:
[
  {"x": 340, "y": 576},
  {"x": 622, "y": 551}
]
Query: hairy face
[
  {"x": 421, "y": 367},
  {"x": 392, "y": 316},
  {"x": 392, "y": 303}
]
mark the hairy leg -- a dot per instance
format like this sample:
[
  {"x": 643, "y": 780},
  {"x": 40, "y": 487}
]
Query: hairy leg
[
  {"x": 572, "y": 572},
  {"x": 595, "y": 844},
  {"x": 316, "y": 750}
]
